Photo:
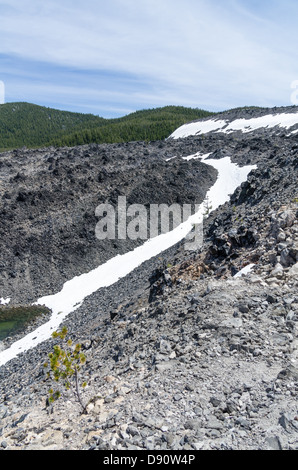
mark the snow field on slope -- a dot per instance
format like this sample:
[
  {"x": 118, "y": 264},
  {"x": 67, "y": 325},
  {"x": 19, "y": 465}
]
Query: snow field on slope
[
  {"x": 283, "y": 120},
  {"x": 74, "y": 291}
]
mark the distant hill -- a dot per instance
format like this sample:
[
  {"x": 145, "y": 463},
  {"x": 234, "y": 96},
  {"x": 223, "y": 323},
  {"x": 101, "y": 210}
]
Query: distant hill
[{"x": 30, "y": 125}]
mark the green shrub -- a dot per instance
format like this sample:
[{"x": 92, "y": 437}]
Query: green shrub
[{"x": 65, "y": 365}]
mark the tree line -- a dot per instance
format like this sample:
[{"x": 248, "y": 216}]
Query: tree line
[{"x": 25, "y": 124}]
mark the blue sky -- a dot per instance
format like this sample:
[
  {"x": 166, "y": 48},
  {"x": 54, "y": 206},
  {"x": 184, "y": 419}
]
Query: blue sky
[{"x": 112, "y": 58}]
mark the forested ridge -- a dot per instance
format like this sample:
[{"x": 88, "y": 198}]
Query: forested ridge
[
  {"x": 30, "y": 125},
  {"x": 25, "y": 124}
]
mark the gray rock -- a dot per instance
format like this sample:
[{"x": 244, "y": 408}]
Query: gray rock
[
  {"x": 286, "y": 259},
  {"x": 213, "y": 423},
  {"x": 278, "y": 270},
  {"x": 132, "y": 430},
  {"x": 243, "y": 308},
  {"x": 244, "y": 423},
  {"x": 286, "y": 218},
  {"x": 215, "y": 401},
  {"x": 193, "y": 424},
  {"x": 232, "y": 323},
  {"x": 274, "y": 443},
  {"x": 164, "y": 366},
  {"x": 271, "y": 298},
  {"x": 291, "y": 372},
  {"x": 286, "y": 422},
  {"x": 293, "y": 271},
  {"x": 3, "y": 411}
]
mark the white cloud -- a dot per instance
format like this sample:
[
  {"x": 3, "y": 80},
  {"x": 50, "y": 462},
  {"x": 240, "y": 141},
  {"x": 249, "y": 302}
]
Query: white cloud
[{"x": 196, "y": 50}]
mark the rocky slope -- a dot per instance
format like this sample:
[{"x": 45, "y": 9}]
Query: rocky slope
[
  {"x": 48, "y": 202},
  {"x": 181, "y": 354}
]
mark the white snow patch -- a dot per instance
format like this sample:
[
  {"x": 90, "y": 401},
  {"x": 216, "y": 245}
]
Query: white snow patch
[
  {"x": 200, "y": 127},
  {"x": 248, "y": 125},
  {"x": 171, "y": 158},
  {"x": 282, "y": 120},
  {"x": 197, "y": 156},
  {"x": 4, "y": 301},
  {"x": 73, "y": 293},
  {"x": 244, "y": 271}
]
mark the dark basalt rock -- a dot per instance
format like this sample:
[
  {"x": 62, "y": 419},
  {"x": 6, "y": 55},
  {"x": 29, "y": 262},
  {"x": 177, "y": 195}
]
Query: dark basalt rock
[{"x": 47, "y": 213}]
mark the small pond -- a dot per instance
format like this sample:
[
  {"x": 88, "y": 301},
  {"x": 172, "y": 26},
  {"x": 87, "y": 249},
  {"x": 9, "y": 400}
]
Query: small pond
[{"x": 15, "y": 319}]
